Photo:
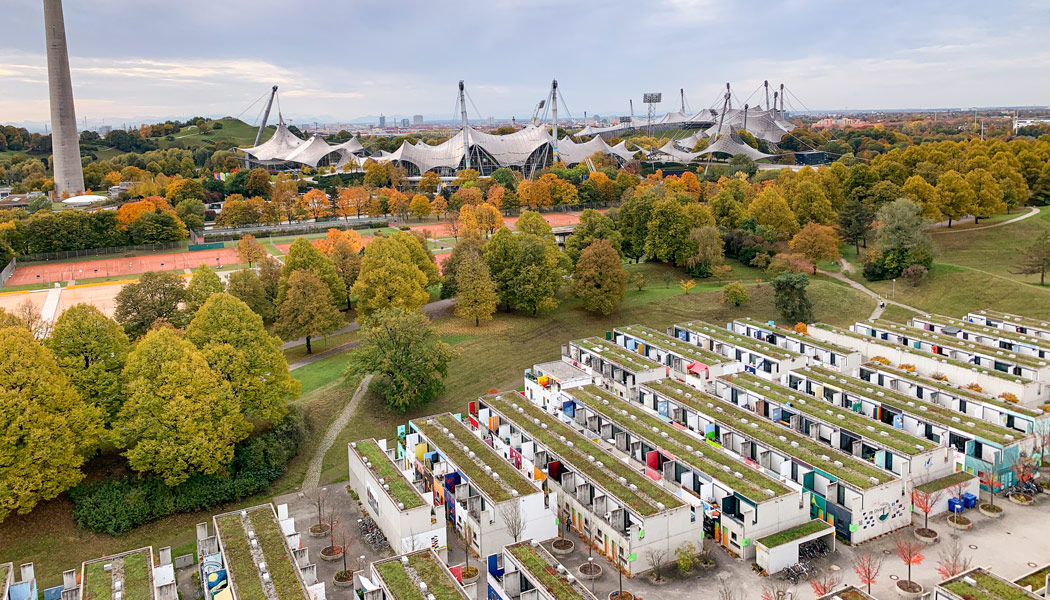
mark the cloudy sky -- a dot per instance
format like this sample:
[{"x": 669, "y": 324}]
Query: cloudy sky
[{"x": 336, "y": 61}]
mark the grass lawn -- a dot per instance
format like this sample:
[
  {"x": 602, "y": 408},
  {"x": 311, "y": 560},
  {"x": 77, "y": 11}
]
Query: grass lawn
[
  {"x": 898, "y": 314},
  {"x": 322, "y": 372},
  {"x": 995, "y": 251},
  {"x": 320, "y": 345}
]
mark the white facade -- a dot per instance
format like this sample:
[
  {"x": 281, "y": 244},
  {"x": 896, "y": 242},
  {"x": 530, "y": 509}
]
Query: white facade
[
  {"x": 758, "y": 357},
  {"x": 820, "y": 353}
]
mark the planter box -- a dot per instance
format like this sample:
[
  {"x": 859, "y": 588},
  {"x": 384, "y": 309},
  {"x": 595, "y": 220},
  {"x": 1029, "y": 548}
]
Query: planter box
[
  {"x": 906, "y": 594},
  {"x": 925, "y": 538},
  {"x": 323, "y": 533},
  {"x": 990, "y": 513},
  {"x": 963, "y": 526},
  {"x": 562, "y": 552},
  {"x": 615, "y": 595},
  {"x": 331, "y": 558},
  {"x": 343, "y": 584},
  {"x": 1018, "y": 499},
  {"x": 584, "y": 576},
  {"x": 470, "y": 580}
]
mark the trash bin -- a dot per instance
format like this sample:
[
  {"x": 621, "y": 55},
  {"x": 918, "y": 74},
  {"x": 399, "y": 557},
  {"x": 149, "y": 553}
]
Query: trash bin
[
  {"x": 955, "y": 505},
  {"x": 969, "y": 500}
]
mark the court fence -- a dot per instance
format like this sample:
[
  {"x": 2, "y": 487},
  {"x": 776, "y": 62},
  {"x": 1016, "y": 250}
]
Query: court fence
[
  {"x": 8, "y": 271},
  {"x": 127, "y": 251}
]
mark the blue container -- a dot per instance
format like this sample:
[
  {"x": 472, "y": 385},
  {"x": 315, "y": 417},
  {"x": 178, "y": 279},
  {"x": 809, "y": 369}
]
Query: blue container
[
  {"x": 954, "y": 505},
  {"x": 969, "y": 500}
]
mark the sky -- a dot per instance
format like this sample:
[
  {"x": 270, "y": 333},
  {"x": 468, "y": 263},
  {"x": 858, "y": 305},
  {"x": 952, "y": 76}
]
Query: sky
[{"x": 338, "y": 61}]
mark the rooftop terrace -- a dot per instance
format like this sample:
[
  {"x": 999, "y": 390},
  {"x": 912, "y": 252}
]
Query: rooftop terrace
[
  {"x": 606, "y": 470},
  {"x": 398, "y": 488},
  {"x": 543, "y": 568},
  {"x": 670, "y": 343},
  {"x": 791, "y": 443},
  {"x": 133, "y": 570},
  {"x": 742, "y": 478},
  {"x": 1021, "y": 320},
  {"x": 236, "y": 531},
  {"x": 402, "y": 580},
  {"x": 619, "y": 355},
  {"x": 450, "y": 436},
  {"x": 741, "y": 341},
  {"x": 887, "y": 435},
  {"x": 985, "y": 330},
  {"x": 960, "y": 392},
  {"x": 934, "y": 413}
]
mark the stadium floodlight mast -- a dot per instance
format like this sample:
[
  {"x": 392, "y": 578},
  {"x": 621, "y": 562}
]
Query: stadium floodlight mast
[{"x": 651, "y": 99}]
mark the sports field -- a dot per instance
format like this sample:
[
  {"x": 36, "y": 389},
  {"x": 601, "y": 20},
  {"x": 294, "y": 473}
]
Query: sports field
[{"x": 62, "y": 272}]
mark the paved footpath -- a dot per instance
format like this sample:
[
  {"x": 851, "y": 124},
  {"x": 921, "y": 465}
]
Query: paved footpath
[
  {"x": 313, "y": 471},
  {"x": 432, "y": 310},
  {"x": 942, "y": 227}
]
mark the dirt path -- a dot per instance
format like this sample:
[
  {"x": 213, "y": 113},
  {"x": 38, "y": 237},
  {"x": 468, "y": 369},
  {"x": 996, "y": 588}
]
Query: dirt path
[{"x": 313, "y": 471}]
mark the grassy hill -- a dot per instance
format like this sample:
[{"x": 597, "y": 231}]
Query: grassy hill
[{"x": 234, "y": 131}]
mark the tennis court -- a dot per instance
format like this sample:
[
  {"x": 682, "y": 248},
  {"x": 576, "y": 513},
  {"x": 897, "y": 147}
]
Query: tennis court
[{"x": 116, "y": 267}]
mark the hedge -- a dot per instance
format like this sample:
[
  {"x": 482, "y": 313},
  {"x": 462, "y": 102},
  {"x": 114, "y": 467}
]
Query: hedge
[{"x": 120, "y": 504}]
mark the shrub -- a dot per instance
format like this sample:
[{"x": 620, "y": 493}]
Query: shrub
[
  {"x": 974, "y": 387},
  {"x": 915, "y": 274},
  {"x": 1008, "y": 397},
  {"x": 801, "y": 328},
  {"x": 120, "y": 504},
  {"x": 882, "y": 360},
  {"x": 906, "y": 367}
]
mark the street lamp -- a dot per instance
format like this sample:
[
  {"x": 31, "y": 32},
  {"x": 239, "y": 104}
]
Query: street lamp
[
  {"x": 894, "y": 288},
  {"x": 590, "y": 561}
]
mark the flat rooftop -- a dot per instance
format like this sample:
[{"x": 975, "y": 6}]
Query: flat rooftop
[
  {"x": 979, "y": 584},
  {"x": 401, "y": 579},
  {"x": 792, "y": 334},
  {"x": 960, "y": 392},
  {"x": 646, "y": 496},
  {"x": 790, "y": 443},
  {"x": 951, "y": 341},
  {"x": 236, "y": 531},
  {"x": 543, "y": 568},
  {"x": 1021, "y": 320},
  {"x": 742, "y": 341},
  {"x": 561, "y": 370},
  {"x": 745, "y": 480},
  {"x": 965, "y": 325},
  {"x": 399, "y": 489},
  {"x": 934, "y": 413},
  {"x": 877, "y": 431},
  {"x": 471, "y": 455},
  {"x": 669, "y": 343},
  {"x": 619, "y": 355},
  {"x": 137, "y": 569}
]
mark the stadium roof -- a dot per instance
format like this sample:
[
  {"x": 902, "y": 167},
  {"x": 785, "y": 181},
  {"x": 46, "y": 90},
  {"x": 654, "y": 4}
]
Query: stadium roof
[{"x": 285, "y": 146}]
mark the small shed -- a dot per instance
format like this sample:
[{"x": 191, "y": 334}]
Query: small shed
[{"x": 779, "y": 551}]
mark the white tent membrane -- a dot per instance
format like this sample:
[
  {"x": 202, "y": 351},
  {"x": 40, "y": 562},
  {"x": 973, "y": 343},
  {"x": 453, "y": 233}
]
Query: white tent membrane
[
  {"x": 763, "y": 124},
  {"x": 731, "y": 144},
  {"x": 284, "y": 146},
  {"x": 282, "y": 143}
]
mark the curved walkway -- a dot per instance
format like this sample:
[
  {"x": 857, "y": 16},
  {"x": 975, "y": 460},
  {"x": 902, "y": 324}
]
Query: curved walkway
[
  {"x": 875, "y": 314},
  {"x": 433, "y": 310},
  {"x": 313, "y": 471},
  {"x": 1032, "y": 211}
]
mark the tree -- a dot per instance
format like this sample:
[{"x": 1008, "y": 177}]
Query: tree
[
  {"x": 952, "y": 561},
  {"x": 203, "y": 284},
  {"x": 867, "y": 567},
  {"x": 419, "y": 206},
  {"x": 600, "y": 279},
  {"x": 825, "y": 583},
  {"x": 302, "y": 313},
  {"x": 438, "y": 206},
  {"x": 956, "y": 196},
  {"x": 46, "y": 428},
  {"x": 389, "y": 277},
  {"x": 180, "y": 417},
  {"x": 687, "y": 285},
  {"x": 191, "y": 212},
  {"x": 408, "y": 357},
  {"x": 347, "y": 261},
  {"x": 770, "y": 210},
  {"x": 236, "y": 345},
  {"x": 417, "y": 248},
  {"x": 488, "y": 218},
  {"x": 156, "y": 295},
  {"x": 902, "y": 228},
  {"x": 734, "y": 293},
  {"x": 854, "y": 223},
  {"x": 632, "y": 221},
  {"x": 593, "y": 225},
  {"x": 920, "y": 191},
  {"x": 304, "y": 256},
  {"x": 429, "y": 182},
  {"x": 351, "y": 201},
  {"x": 1036, "y": 258},
  {"x": 476, "y": 293},
  {"x": 91, "y": 349},
  {"x": 910, "y": 552},
  {"x": 534, "y": 223},
  {"x": 925, "y": 500},
  {"x": 656, "y": 559},
  {"x": 709, "y": 251},
  {"x": 257, "y": 183},
  {"x": 915, "y": 274},
  {"x": 250, "y": 250},
  {"x": 791, "y": 299},
  {"x": 728, "y": 207},
  {"x": 988, "y": 196},
  {"x": 247, "y": 286},
  {"x": 510, "y": 512},
  {"x": 316, "y": 204},
  {"x": 816, "y": 243},
  {"x": 451, "y": 266},
  {"x": 668, "y": 232}
]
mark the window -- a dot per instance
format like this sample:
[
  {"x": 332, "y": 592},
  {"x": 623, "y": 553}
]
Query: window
[{"x": 840, "y": 495}]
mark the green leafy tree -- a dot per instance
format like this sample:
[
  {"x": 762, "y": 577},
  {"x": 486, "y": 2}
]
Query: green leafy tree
[
  {"x": 257, "y": 183},
  {"x": 307, "y": 310},
  {"x": 791, "y": 299},
  {"x": 956, "y": 196},
  {"x": 270, "y": 275},
  {"x": 246, "y": 286},
  {"x": 46, "y": 428},
  {"x": 600, "y": 279},
  {"x": 408, "y": 357},
  {"x": 389, "y": 277},
  {"x": 734, "y": 293},
  {"x": 417, "y": 248},
  {"x": 347, "y": 263},
  {"x": 191, "y": 212},
  {"x": 632, "y": 221},
  {"x": 180, "y": 417},
  {"x": 91, "y": 350},
  {"x": 302, "y": 255},
  {"x": 1036, "y": 258},
  {"x": 533, "y": 222},
  {"x": 203, "y": 284},
  {"x": 925, "y": 195},
  {"x": 593, "y": 225},
  {"x": 475, "y": 291},
  {"x": 156, "y": 295},
  {"x": 988, "y": 196},
  {"x": 468, "y": 245},
  {"x": 854, "y": 223},
  {"x": 811, "y": 204},
  {"x": 708, "y": 251},
  {"x": 902, "y": 228},
  {"x": 728, "y": 206},
  {"x": 235, "y": 343},
  {"x": 770, "y": 210},
  {"x": 668, "y": 232}
]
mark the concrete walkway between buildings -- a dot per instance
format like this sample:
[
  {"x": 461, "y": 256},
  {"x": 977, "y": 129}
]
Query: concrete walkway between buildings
[{"x": 313, "y": 471}]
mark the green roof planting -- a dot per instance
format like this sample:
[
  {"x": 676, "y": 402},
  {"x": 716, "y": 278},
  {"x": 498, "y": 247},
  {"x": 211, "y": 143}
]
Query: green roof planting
[
  {"x": 1036, "y": 579},
  {"x": 935, "y": 413},
  {"x": 1021, "y": 320},
  {"x": 724, "y": 335},
  {"x": 401, "y": 491},
  {"x": 451, "y": 444},
  {"x": 644, "y": 499},
  {"x": 949, "y": 341},
  {"x": 400, "y": 582},
  {"x": 850, "y": 593},
  {"x": 886, "y": 435},
  {"x": 951, "y": 389},
  {"x": 911, "y": 350},
  {"x": 795, "y": 533},
  {"x": 791, "y": 443},
  {"x": 632, "y": 361},
  {"x": 967, "y": 326},
  {"x": 943, "y": 483},
  {"x": 543, "y": 567},
  {"x": 751, "y": 484},
  {"x": 984, "y": 587},
  {"x": 669, "y": 343},
  {"x": 240, "y": 562},
  {"x": 790, "y": 333},
  {"x": 97, "y": 582}
]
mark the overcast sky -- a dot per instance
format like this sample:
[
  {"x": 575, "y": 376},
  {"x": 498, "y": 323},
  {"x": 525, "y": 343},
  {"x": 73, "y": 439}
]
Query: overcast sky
[{"x": 343, "y": 60}]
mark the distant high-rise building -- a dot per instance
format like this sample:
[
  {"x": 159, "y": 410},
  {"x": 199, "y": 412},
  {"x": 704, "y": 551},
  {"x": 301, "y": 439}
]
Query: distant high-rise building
[
  {"x": 65, "y": 142},
  {"x": 404, "y": 122},
  {"x": 417, "y": 119},
  {"x": 382, "y": 122}
]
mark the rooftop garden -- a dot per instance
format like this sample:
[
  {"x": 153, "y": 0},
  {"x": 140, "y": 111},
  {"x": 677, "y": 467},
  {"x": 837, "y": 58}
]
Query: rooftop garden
[
  {"x": 752, "y": 483},
  {"x": 887, "y": 435},
  {"x": 1016, "y": 319},
  {"x": 543, "y": 570},
  {"x": 404, "y": 587},
  {"x": 473, "y": 467},
  {"x": 943, "y": 483},
  {"x": 956, "y": 391},
  {"x": 742, "y": 341},
  {"x": 986, "y": 587},
  {"x": 669, "y": 343},
  {"x": 851, "y": 470},
  {"x": 907, "y": 350},
  {"x": 850, "y": 593},
  {"x": 985, "y": 330},
  {"x": 400, "y": 489},
  {"x": 278, "y": 561},
  {"x": 240, "y": 566},
  {"x": 97, "y": 582},
  {"x": 950, "y": 341},
  {"x": 643, "y": 500},
  {"x": 790, "y": 333},
  {"x": 795, "y": 533},
  {"x": 617, "y": 354},
  {"x": 240, "y": 563},
  {"x": 1037, "y": 579},
  {"x": 935, "y": 413}
]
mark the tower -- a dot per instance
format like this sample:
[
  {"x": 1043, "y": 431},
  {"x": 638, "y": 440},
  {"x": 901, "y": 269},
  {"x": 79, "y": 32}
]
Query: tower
[{"x": 65, "y": 141}]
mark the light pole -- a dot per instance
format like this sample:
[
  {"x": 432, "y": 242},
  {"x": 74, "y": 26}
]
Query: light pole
[
  {"x": 894, "y": 295},
  {"x": 590, "y": 561}
]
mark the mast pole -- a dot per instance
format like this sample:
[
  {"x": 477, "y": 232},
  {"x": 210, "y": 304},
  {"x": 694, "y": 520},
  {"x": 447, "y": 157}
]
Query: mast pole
[
  {"x": 262, "y": 126},
  {"x": 466, "y": 125},
  {"x": 554, "y": 117}
]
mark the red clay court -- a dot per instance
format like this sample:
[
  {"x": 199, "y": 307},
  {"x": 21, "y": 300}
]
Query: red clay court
[{"x": 115, "y": 267}]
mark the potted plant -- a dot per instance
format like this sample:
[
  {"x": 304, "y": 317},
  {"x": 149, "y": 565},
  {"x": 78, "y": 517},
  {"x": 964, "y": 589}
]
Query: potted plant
[
  {"x": 562, "y": 547},
  {"x": 991, "y": 481},
  {"x": 319, "y": 498},
  {"x": 589, "y": 570},
  {"x": 910, "y": 552}
]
